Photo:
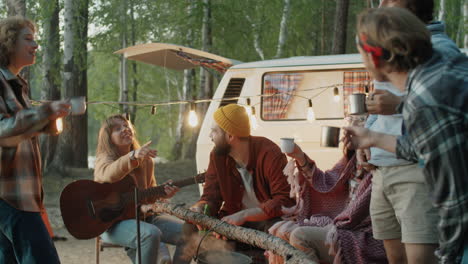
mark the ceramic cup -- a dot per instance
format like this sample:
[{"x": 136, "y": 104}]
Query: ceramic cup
[
  {"x": 78, "y": 105},
  {"x": 330, "y": 137},
  {"x": 357, "y": 104},
  {"x": 287, "y": 145}
]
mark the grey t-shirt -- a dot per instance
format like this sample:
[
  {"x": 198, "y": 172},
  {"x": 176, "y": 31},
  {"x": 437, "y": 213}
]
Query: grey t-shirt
[{"x": 249, "y": 200}]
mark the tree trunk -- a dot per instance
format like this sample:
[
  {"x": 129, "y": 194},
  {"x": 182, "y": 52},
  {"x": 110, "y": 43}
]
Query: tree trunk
[
  {"x": 123, "y": 95},
  {"x": 341, "y": 23},
  {"x": 256, "y": 34},
  {"x": 186, "y": 92},
  {"x": 206, "y": 79},
  {"x": 322, "y": 25},
  {"x": 189, "y": 88},
  {"x": 465, "y": 26},
  {"x": 283, "y": 34},
  {"x": 245, "y": 235},
  {"x": 180, "y": 131},
  {"x": 134, "y": 65},
  {"x": 441, "y": 16},
  {"x": 51, "y": 69},
  {"x": 73, "y": 142}
]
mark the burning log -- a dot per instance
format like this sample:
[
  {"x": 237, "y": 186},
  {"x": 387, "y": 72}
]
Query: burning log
[{"x": 256, "y": 238}]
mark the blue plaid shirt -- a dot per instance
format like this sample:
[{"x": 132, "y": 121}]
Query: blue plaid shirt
[{"x": 435, "y": 114}]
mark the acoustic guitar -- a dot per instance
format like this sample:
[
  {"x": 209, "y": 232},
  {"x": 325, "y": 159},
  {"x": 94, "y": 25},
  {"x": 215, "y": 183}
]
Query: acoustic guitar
[{"x": 89, "y": 208}]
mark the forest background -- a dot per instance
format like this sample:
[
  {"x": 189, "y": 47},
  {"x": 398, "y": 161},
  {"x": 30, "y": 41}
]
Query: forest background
[{"x": 78, "y": 39}]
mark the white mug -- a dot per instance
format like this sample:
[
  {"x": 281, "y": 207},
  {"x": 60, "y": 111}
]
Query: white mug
[
  {"x": 287, "y": 145},
  {"x": 78, "y": 105}
]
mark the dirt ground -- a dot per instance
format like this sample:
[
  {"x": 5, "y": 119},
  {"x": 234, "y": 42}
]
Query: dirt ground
[{"x": 73, "y": 251}]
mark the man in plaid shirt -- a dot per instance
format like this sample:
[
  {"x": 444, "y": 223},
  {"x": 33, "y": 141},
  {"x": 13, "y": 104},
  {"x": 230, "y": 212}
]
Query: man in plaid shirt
[
  {"x": 23, "y": 235},
  {"x": 395, "y": 45}
]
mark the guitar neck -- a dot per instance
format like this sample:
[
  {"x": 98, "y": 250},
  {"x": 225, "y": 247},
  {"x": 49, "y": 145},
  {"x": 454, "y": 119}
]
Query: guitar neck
[{"x": 158, "y": 191}]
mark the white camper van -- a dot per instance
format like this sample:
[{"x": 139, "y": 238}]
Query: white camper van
[{"x": 280, "y": 92}]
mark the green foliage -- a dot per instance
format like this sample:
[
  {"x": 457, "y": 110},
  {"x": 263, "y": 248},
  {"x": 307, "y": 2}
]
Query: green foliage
[{"x": 167, "y": 21}]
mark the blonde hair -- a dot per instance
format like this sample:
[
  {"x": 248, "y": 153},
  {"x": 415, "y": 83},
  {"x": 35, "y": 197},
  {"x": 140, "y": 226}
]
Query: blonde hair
[
  {"x": 10, "y": 28},
  {"x": 399, "y": 33},
  {"x": 105, "y": 145}
]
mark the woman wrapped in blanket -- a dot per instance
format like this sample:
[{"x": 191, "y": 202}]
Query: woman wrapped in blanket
[{"x": 331, "y": 221}]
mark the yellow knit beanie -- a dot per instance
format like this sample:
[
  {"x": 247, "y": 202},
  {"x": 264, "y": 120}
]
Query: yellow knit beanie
[{"x": 233, "y": 119}]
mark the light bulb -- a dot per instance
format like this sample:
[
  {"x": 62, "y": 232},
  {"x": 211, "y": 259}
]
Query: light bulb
[
  {"x": 253, "y": 119},
  {"x": 253, "y": 122},
  {"x": 192, "y": 118},
  {"x": 248, "y": 109},
  {"x": 59, "y": 125},
  {"x": 310, "y": 112},
  {"x": 336, "y": 94}
]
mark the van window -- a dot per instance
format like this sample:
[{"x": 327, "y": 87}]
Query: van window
[{"x": 285, "y": 95}]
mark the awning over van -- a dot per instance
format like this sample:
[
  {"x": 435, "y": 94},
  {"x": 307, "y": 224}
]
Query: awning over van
[{"x": 176, "y": 57}]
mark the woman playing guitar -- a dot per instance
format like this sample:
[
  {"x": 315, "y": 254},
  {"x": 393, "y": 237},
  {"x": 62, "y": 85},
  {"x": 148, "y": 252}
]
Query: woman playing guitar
[{"x": 119, "y": 154}]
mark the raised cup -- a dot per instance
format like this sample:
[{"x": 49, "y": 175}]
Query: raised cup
[
  {"x": 357, "y": 104},
  {"x": 330, "y": 137},
  {"x": 287, "y": 145},
  {"x": 78, "y": 105}
]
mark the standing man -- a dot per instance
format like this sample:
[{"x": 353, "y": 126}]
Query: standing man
[
  {"x": 396, "y": 46},
  {"x": 244, "y": 182},
  {"x": 401, "y": 210},
  {"x": 23, "y": 235}
]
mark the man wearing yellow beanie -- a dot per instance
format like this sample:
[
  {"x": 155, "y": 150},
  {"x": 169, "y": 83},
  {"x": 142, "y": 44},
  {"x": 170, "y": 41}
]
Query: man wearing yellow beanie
[{"x": 244, "y": 183}]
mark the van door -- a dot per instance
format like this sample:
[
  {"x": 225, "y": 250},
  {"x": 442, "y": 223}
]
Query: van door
[{"x": 176, "y": 57}]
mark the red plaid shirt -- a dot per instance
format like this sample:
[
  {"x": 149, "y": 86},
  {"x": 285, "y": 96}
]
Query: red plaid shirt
[
  {"x": 20, "y": 169},
  {"x": 224, "y": 188}
]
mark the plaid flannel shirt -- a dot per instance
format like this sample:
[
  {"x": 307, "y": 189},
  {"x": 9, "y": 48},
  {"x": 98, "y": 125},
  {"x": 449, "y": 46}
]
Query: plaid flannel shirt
[
  {"x": 435, "y": 114},
  {"x": 20, "y": 168}
]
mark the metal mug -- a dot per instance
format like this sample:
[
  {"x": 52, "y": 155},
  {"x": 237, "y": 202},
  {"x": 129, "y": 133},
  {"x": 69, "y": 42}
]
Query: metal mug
[
  {"x": 357, "y": 104},
  {"x": 78, "y": 105},
  {"x": 330, "y": 137}
]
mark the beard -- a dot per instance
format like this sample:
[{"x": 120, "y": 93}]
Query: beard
[{"x": 222, "y": 149}]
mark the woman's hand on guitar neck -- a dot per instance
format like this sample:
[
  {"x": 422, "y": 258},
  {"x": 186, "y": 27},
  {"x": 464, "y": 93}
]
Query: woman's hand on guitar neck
[
  {"x": 170, "y": 189},
  {"x": 145, "y": 152}
]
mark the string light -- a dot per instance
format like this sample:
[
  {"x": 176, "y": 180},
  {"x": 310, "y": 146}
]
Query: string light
[
  {"x": 192, "y": 118},
  {"x": 196, "y": 101},
  {"x": 253, "y": 119},
  {"x": 336, "y": 94},
  {"x": 59, "y": 125},
  {"x": 248, "y": 108},
  {"x": 366, "y": 89},
  {"x": 310, "y": 112}
]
